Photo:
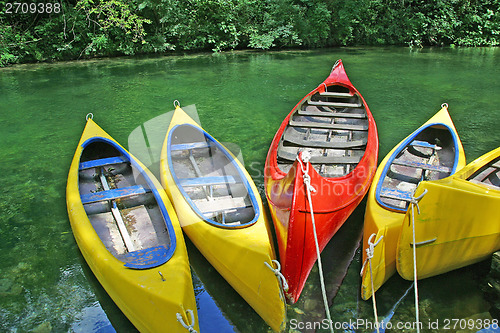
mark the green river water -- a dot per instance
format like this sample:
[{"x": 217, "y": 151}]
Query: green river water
[{"x": 241, "y": 98}]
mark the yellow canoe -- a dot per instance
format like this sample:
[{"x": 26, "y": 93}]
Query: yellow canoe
[
  {"x": 433, "y": 151},
  {"x": 458, "y": 224},
  {"x": 220, "y": 209},
  {"x": 128, "y": 232}
]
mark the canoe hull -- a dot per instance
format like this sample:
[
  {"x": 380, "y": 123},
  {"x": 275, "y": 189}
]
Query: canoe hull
[
  {"x": 458, "y": 224},
  {"x": 386, "y": 222},
  {"x": 149, "y": 302},
  {"x": 333, "y": 201},
  {"x": 237, "y": 254}
]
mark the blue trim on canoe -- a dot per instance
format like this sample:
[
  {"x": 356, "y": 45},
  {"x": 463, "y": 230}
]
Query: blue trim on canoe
[
  {"x": 223, "y": 149},
  {"x": 207, "y": 181},
  {"x": 400, "y": 148},
  {"x": 114, "y": 194},
  {"x": 153, "y": 188},
  {"x": 102, "y": 162},
  {"x": 147, "y": 258}
]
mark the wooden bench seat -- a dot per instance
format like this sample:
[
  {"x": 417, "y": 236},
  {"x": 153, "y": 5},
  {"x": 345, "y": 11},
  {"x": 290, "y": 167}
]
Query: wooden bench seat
[
  {"x": 348, "y": 127},
  {"x": 335, "y": 104},
  {"x": 102, "y": 162},
  {"x": 424, "y": 166},
  {"x": 297, "y": 138},
  {"x": 188, "y": 146},
  {"x": 330, "y": 114},
  {"x": 290, "y": 154},
  {"x": 207, "y": 181},
  {"x": 424, "y": 144},
  {"x": 396, "y": 194},
  {"x": 114, "y": 194}
]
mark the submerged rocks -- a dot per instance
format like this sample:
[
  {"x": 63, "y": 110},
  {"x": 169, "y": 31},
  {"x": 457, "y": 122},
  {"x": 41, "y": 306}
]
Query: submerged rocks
[{"x": 492, "y": 285}]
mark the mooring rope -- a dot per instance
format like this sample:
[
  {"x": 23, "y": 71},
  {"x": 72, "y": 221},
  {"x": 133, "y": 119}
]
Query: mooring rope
[
  {"x": 190, "y": 327},
  {"x": 369, "y": 255},
  {"x": 277, "y": 272},
  {"x": 306, "y": 156},
  {"x": 414, "y": 202}
]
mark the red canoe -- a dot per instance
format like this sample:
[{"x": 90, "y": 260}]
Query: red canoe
[{"x": 336, "y": 128}]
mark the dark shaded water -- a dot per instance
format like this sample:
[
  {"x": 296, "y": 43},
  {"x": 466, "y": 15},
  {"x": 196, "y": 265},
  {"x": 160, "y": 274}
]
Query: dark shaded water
[{"x": 241, "y": 98}]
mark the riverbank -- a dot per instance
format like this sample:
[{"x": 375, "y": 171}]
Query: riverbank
[{"x": 87, "y": 29}]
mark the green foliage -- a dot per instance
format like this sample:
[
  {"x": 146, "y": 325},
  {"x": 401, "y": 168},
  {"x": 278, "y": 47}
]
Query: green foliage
[{"x": 90, "y": 28}]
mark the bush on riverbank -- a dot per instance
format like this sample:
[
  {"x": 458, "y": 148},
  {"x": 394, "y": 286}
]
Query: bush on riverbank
[{"x": 96, "y": 28}]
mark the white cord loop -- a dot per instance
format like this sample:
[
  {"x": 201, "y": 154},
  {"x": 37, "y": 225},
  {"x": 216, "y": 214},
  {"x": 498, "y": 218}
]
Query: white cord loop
[
  {"x": 304, "y": 158},
  {"x": 277, "y": 272},
  {"x": 370, "y": 250},
  {"x": 414, "y": 202},
  {"x": 177, "y": 103},
  {"x": 89, "y": 116},
  {"x": 190, "y": 327},
  {"x": 369, "y": 255}
]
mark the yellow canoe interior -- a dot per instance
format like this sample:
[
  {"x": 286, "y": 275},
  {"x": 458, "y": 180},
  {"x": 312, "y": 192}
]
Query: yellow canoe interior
[
  {"x": 221, "y": 211},
  {"x": 128, "y": 232},
  {"x": 421, "y": 155},
  {"x": 458, "y": 224}
]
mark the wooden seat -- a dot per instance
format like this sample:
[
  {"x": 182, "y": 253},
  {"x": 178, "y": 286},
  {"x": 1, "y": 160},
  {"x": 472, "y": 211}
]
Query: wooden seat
[
  {"x": 330, "y": 114},
  {"x": 290, "y": 154},
  {"x": 424, "y": 144},
  {"x": 395, "y": 194},
  {"x": 188, "y": 146},
  {"x": 102, "y": 162},
  {"x": 296, "y": 138},
  {"x": 424, "y": 166},
  {"x": 207, "y": 181},
  {"x": 113, "y": 194},
  {"x": 336, "y": 94},
  {"x": 335, "y": 104},
  {"x": 348, "y": 127}
]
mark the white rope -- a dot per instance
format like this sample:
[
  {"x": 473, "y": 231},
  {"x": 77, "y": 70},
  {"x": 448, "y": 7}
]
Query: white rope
[
  {"x": 369, "y": 255},
  {"x": 190, "y": 327},
  {"x": 414, "y": 202},
  {"x": 277, "y": 272},
  {"x": 306, "y": 156}
]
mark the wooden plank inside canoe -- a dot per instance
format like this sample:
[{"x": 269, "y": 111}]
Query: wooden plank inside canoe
[
  {"x": 188, "y": 146},
  {"x": 113, "y": 194},
  {"x": 318, "y": 113},
  {"x": 290, "y": 154},
  {"x": 335, "y": 104},
  {"x": 102, "y": 162},
  {"x": 396, "y": 194},
  {"x": 297, "y": 138},
  {"x": 206, "y": 181},
  {"x": 424, "y": 166},
  {"x": 220, "y": 204},
  {"x": 424, "y": 144},
  {"x": 336, "y": 94},
  {"x": 348, "y": 127}
]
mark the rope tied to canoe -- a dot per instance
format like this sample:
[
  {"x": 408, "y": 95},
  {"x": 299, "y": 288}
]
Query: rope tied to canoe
[
  {"x": 190, "y": 327},
  {"x": 414, "y": 203},
  {"x": 304, "y": 158},
  {"x": 279, "y": 275},
  {"x": 369, "y": 255}
]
